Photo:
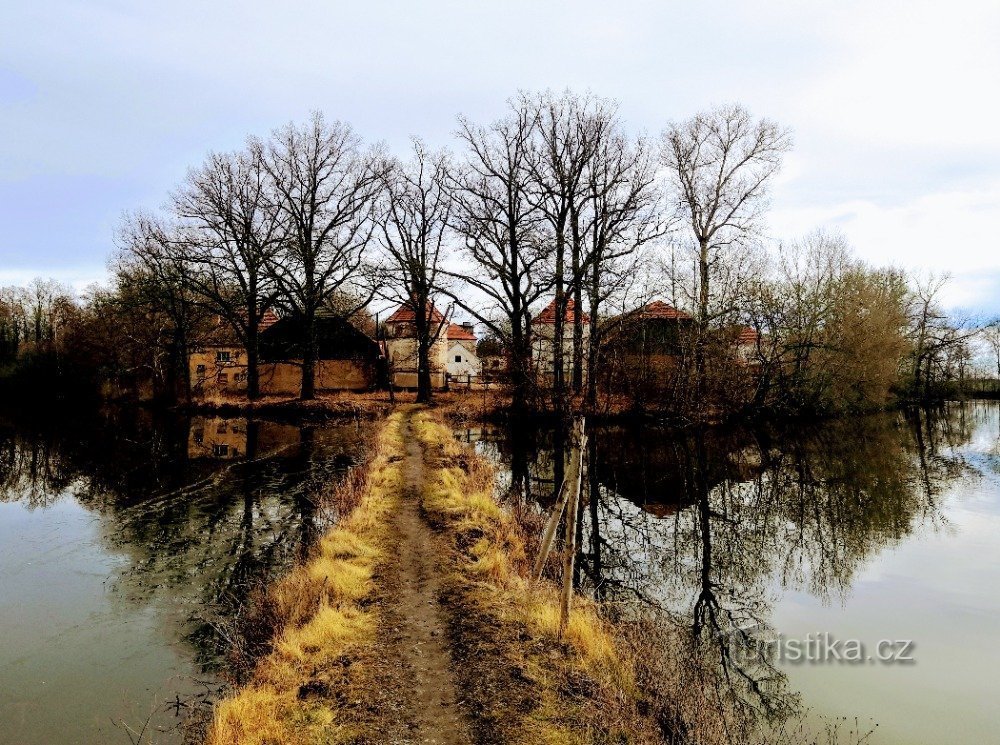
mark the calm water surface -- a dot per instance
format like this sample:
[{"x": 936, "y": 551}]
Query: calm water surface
[
  {"x": 881, "y": 528},
  {"x": 124, "y": 542}
]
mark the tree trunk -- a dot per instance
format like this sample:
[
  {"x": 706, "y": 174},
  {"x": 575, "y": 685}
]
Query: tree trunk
[
  {"x": 253, "y": 373},
  {"x": 424, "y": 393},
  {"x": 577, "y": 309},
  {"x": 520, "y": 369},
  {"x": 253, "y": 355},
  {"x": 592, "y": 347},
  {"x": 309, "y": 356},
  {"x": 703, "y": 297},
  {"x": 558, "y": 382}
]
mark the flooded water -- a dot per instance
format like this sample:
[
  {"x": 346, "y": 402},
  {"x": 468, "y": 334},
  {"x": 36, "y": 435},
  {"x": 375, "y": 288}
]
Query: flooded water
[
  {"x": 125, "y": 543},
  {"x": 871, "y": 546}
]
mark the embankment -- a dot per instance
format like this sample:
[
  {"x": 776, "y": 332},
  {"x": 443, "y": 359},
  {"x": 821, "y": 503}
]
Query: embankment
[{"x": 416, "y": 620}]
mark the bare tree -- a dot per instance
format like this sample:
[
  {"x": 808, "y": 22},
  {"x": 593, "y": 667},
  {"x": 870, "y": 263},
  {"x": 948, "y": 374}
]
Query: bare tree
[
  {"x": 229, "y": 237},
  {"x": 936, "y": 338},
  {"x": 417, "y": 208},
  {"x": 569, "y": 127},
  {"x": 720, "y": 163},
  {"x": 622, "y": 204},
  {"x": 153, "y": 281},
  {"x": 991, "y": 333},
  {"x": 504, "y": 234},
  {"x": 327, "y": 190}
]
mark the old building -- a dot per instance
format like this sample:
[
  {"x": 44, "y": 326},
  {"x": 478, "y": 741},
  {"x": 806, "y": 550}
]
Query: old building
[
  {"x": 218, "y": 362},
  {"x": 348, "y": 359},
  {"x": 641, "y": 350},
  {"x": 401, "y": 347},
  {"x": 463, "y": 361},
  {"x": 655, "y": 330},
  {"x": 543, "y": 341},
  {"x": 492, "y": 360}
]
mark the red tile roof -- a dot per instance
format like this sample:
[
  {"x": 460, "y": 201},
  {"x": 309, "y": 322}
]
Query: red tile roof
[
  {"x": 267, "y": 320},
  {"x": 548, "y": 315},
  {"x": 746, "y": 335},
  {"x": 405, "y": 313},
  {"x": 660, "y": 309},
  {"x": 460, "y": 333},
  {"x": 222, "y": 333}
]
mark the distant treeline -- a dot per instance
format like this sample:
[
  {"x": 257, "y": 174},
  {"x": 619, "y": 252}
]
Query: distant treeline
[{"x": 554, "y": 199}]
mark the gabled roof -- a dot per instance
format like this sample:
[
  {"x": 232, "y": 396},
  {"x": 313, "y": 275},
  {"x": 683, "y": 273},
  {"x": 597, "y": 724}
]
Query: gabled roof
[
  {"x": 460, "y": 333},
  {"x": 746, "y": 335},
  {"x": 548, "y": 314},
  {"x": 661, "y": 310},
  {"x": 406, "y": 313},
  {"x": 336, "y": 338},
  {"x": 222, "y": 333},
  {"x": 267, "y": 320}
]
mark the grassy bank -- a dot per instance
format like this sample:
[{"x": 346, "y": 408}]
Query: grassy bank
[
  {"x": 322, "y": 678},
  {"x": 535, "y": 685},
  {"x": 323, "y": 620}
]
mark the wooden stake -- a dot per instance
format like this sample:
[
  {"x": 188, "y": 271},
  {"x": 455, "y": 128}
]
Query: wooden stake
[{"x": 575, "y": 478}]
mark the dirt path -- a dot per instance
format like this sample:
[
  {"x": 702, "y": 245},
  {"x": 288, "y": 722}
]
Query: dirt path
[{"x": 417, "y": 674}]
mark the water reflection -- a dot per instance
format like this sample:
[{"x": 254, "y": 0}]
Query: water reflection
[
  {"x": 716, "y": 529},
  {"x": 126, "y": 541}
]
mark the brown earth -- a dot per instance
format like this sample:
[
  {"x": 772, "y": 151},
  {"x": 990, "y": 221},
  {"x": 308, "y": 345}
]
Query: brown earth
[{"x": 417, "y": 699}]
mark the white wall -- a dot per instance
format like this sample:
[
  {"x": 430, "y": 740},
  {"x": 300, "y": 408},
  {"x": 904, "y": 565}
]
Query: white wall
[{"x": 469, "y": 364}]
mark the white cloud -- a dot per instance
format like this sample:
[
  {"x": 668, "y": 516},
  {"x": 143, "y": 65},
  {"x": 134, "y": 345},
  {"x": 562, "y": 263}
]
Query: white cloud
[
  {"x": 946, "y": 232},
  {"x": 893, "y": 103}
]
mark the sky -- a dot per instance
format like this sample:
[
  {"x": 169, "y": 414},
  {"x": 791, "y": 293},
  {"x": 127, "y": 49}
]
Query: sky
[{"x": 104, "y": 105}]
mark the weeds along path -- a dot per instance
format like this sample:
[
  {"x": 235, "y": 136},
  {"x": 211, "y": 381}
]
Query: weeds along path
[
  {"x": 422, "y": 595},
  {"x": 358, "y": 649},
  {"x": 415, "y": 629}
]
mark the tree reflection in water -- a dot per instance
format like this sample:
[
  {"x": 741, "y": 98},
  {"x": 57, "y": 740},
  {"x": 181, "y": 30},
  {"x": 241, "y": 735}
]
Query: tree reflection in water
[
  {"x": 203, "y": 509},
  {"x": 706, "y": 528}
]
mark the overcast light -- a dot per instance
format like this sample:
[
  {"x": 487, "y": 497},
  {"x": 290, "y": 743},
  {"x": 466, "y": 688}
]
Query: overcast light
[{"x": 893, "y": 104}]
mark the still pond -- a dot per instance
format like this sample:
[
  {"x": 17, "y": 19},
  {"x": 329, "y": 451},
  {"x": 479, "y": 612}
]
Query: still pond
[
  {"x": 876, "y": 530},
  {"x": 125, "y": 545},
  {"x": 127, "y": 541}
]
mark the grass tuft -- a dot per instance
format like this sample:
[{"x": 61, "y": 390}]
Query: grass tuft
[
  {"x": 581, "y": 686},
  {"x": 321, "y": 618}
]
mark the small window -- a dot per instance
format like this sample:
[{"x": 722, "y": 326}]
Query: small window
[
  {"x": 222, "y": 356},
  {"x": 223, "y": 378},
  {"x": 458, "y": 358},
  {"x": 199, "y": 436},
  {"x": 220, "y": 451},
  {"x": 201, "y": 371},
  {"x": 240, "y": 377}
]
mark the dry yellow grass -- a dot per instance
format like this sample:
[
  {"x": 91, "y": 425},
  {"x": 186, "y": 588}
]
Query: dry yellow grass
[
  {"x": 322, "y": 618},
  {"x": 492, "y": 569}
]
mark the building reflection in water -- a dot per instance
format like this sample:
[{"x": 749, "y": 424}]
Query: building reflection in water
[
  {"x": 204, "y": 509},
  {"x": 708, "y": 528}
]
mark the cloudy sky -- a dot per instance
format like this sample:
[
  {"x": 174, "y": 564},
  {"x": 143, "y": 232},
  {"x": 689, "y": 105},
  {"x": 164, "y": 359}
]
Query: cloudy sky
[{"x": 894, "y": 105}]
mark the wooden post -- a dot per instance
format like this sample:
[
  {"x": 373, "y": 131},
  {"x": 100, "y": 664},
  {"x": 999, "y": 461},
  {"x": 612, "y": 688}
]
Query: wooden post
[
  {"x": 573, "y": 480},
  {"x": 569, "y": 489},
  {"x": 550, "y": 531}
]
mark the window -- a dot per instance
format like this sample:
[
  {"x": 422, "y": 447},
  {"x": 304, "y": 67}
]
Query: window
[
  {"x": 220, "y": 451},
  {"x": 222, "y": 356},
  {"x": 223, "y": 378},
  {"x": 240, "y": 377},
  {"x": 458, "y": 358},
  {"x": 200, "y": 370},
  {"x": 199, "y": 436}
]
